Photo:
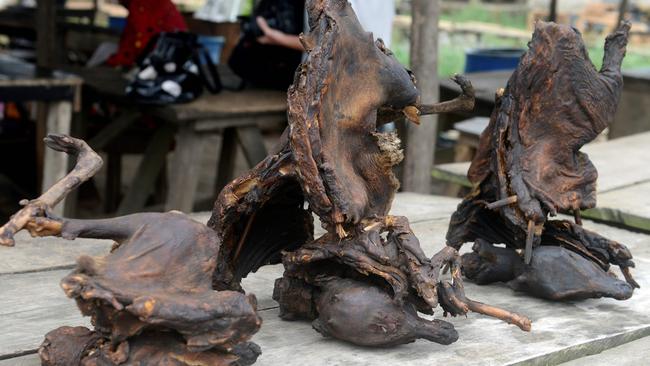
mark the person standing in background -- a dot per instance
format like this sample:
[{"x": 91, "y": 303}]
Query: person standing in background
[
  {"x": 267, "y": 56},
  {"x": 375, "y": 16}
]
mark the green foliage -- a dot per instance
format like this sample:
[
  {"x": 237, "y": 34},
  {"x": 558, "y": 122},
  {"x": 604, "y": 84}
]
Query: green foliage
[
  {"x": 246, "y": 7},
  {"x": 451, "y": 56},
  {"x": 475, "y": 12},
  {"x": 632, "y": 60}
]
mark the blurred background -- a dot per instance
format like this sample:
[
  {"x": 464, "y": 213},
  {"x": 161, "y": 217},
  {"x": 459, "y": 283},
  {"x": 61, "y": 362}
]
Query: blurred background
[{"x": 182, "y": 96}]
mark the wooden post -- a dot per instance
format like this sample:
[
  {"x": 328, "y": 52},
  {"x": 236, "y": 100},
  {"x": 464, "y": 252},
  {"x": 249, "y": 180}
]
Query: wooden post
[
  {"x": 45, "y": 54},
  {"x": 552, "y": 13},
  {"x": 622, "y": 10},
  {"x": 421, "y": 140},
  {"x": 45, "y": 36},
  {"x": 95, "y": 12}
]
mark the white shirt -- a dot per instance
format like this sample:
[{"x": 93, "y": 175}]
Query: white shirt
[{"x": 376, "y": 16}]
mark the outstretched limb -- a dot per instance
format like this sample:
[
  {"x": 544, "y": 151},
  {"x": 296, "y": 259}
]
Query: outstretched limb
[
  {"x": 615, "y": 47},
  {"x": 463, "y": 103},
  {"x": 454, "y": 302},
  {"x": 118, "y": 228},
  {"x": 88, "y": 163},
  {"x": 151, "y": 299}
]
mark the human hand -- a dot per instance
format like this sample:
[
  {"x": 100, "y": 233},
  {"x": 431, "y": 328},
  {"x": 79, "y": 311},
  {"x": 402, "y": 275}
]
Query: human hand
[{"x": 271, "y": 36}]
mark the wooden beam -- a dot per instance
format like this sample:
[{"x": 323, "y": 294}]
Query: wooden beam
[
  {"x": 227, "y": 156},
  {"x": 421, "y": 140},
  {"x": 622, "y": 10},
  {"x": 552, "y": 12},
  {"x": 143, "y": 183},
  {"x": 45, "y": 53},
  {"x": 45, "y": 36}
]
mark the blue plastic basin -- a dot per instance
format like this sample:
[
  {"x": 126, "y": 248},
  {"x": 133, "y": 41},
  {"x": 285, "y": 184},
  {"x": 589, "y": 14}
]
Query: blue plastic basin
[
  {"x": 490, "y": 59},
  {"x": 117, "y": 23},
  {"x": 214, "y": 46}
]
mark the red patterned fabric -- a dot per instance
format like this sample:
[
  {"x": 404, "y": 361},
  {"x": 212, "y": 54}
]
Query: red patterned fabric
[{"x": 146, "y": 19}]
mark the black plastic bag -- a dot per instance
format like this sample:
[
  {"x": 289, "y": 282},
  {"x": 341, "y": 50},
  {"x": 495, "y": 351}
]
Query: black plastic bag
[{"x": 175, "y": 69}]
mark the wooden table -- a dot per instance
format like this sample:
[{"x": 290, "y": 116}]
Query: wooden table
[
  {"x": 623, "y": 180},
  {"x": 236, "y": 115},
  {"x": 32, "y": 303},
  {"x": 58, "y": 96}
]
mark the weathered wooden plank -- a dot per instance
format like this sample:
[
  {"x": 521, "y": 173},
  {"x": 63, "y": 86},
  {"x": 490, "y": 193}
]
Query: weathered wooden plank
[
  {"x": 419, "y": 207},
  {"x": 113, "y": 129},
  {"x": 452, "y": 173},
  {"x": 623, "y": 182},
  {"x": 226, "y": 163},
  {"x": 620, "y": 163},
  {"x": 630, "y": 354},
  {"x": 228, "y": 104},
  {"x": 46, "y": 35},
  {"x": 32, "y": 304},
  {"x": 628, "y": 206},
  {"x": 473, "y": 126},
  {"x": 30, "y": 254},
  {"x": 29, "y": 360},
  {"x": 68, "y": 80},
  {"x": 185, "y": 170},
  {"x": 561, "y": 331}
]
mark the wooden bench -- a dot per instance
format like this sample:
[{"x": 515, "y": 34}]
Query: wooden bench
[{"x": 235, "y": 115}]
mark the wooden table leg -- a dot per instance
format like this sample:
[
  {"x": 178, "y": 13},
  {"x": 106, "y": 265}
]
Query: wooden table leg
[
  {"x": 185, "y": 170},
  {"x": 55, "y": 164},
  {"x": 113, "y": 181},
  {"x": 143, "y": 182},
  {"x": 465, "y": 147},
  {"x": 226, "y": 163},
  {"x": 252, "y": 142},
  {"x": 114, "y": 129}
]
